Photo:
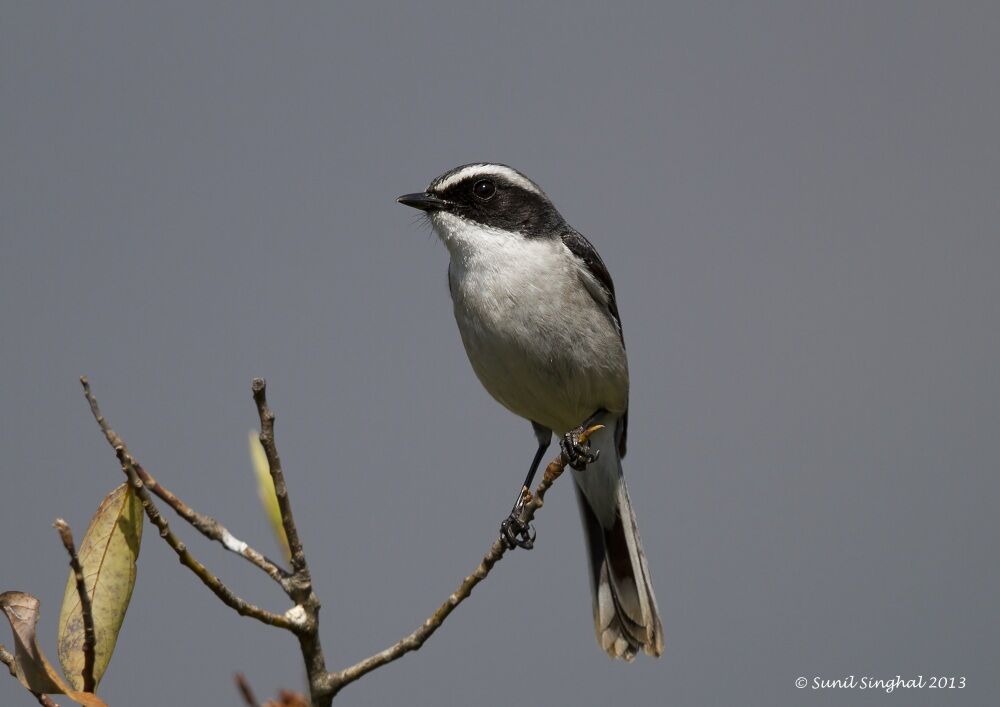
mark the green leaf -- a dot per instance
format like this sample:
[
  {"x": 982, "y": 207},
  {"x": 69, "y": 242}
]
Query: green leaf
[
  {"x": 265, "y": 489},
  {"x": 108, "y": 556},
  {"x": 31, "y": 666}
]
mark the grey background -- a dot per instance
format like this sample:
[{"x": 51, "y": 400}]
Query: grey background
[{"x": 798, "y": 203}]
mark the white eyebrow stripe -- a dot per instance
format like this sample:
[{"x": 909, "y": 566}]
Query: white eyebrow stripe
[{"x": 474, "y": 170}]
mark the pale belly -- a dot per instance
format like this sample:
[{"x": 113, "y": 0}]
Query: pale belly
[{"x": 546, "y": 352}]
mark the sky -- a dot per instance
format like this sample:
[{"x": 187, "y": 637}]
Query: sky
[{"x": 798, "y": 204}]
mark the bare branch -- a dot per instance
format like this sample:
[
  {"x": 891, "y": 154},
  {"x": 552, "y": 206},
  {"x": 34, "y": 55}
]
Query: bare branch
[
  {"x": 301, "y": 590},
  {"x": 214, "y": 530},
  {"x": 496, "y": 552},
  {"x": 228, "y": 597},
  {"x": 89, "y": 636},
  {"x": 299, "y": 564},
  {"x": 206, "y": 525},
  {"x": 8, "y": 659},
  {"x": 109, "y": 434},
  {"x": 303, "y": 618}
]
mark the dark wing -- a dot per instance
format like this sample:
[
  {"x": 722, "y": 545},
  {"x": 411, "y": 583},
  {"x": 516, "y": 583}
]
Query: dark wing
[{"x": 582, "y": 249}]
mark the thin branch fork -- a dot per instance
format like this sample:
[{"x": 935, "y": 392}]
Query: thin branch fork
[
  {"x": 303, "y": 618},
  {"x": 301, "y": 590},
  {"x": 206, "y": 525},
  {"x": 86, "y": 609},
  {"x": 214, "y": 530},
  {"x": 218, "y": 587}
]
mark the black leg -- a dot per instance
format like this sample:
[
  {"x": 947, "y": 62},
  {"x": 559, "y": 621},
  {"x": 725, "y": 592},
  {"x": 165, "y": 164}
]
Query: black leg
[
  {"x": 513, "y": 532},
  {"x": 544, "y": 437}
]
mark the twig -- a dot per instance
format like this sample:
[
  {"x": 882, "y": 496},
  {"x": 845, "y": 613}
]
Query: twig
[
  {"x": 301, "y": 588},
  {"x": 303, "y": 618},
  {"x": 89, "y": 635},
  {"x": 206, "y": 525},
  {"x": 266, "y": 415},
  {"x": 8, "y": 659},
  {"x": 496, "y": 552},
  {"x": 228, "y": 597},
  {"x": 246, "y": 692},
  {"x": 214, "y": 530}
]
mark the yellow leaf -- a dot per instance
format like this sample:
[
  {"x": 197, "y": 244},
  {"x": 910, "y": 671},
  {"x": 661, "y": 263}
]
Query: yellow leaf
[
  {"x": 265, "y": 489},
  {"x": 32, "y": 667},
  {"x": 108, "y": 556}
]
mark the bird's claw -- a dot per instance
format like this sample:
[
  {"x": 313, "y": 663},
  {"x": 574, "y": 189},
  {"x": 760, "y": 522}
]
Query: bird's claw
[
  {"x": 514, "y": 533},
  {"x": 575, "y": 453}
]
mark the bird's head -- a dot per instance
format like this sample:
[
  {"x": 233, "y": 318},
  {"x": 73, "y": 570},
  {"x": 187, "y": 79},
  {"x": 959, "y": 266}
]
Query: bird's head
[{"x": 487, "y": 196}]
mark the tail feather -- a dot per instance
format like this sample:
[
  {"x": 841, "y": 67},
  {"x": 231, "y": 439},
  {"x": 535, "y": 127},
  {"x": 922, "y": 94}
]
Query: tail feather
[{"x": 626, "y": 618}]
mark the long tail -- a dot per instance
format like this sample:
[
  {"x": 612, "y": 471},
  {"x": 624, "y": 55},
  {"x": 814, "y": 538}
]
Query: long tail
[{"x": 625, "y": 615}]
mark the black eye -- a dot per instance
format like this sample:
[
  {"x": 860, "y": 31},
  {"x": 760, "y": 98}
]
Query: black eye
[{"x": 484, "y": 189}]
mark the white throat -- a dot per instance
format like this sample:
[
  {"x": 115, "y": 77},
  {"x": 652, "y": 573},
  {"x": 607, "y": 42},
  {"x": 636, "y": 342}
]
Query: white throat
[{"x": 468, "y": 241}]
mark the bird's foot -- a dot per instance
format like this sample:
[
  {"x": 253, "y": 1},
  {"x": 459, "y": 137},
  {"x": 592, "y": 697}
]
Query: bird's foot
[
  {"x": 513, "y": 532},
  {"x": 578, "y": 455}
]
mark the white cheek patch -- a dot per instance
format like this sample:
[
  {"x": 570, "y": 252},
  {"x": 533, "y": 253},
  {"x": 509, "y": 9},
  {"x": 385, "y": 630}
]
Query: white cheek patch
[{"x": 495, "y": 170}]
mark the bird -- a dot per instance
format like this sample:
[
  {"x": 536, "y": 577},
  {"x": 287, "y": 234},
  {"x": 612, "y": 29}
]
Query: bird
[{"x": 536, "y": 310}]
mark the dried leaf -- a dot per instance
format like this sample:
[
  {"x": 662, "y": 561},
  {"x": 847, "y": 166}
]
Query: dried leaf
[
  {"x": 265, "y": 489},
  {"x": 287, "y": 698},
  {"x": 108, "y": 556},
  {"x": 33, "y": 670}
]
